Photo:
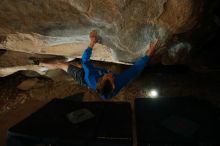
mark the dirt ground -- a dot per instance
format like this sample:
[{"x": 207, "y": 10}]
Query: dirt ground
[{"x": 24, "y": 92}]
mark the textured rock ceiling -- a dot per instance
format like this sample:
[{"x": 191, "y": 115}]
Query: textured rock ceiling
[{"x": 61, "y": 27}]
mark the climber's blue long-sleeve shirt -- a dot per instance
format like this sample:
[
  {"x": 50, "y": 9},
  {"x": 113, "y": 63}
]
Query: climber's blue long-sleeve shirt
[{"x": 92, "y": 74}]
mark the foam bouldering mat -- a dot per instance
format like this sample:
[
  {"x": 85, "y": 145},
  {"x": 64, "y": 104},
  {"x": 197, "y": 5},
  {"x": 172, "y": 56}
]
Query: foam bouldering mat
[
  {"x": 177, "y": 120},
  {"x": 67, "y": 122}
]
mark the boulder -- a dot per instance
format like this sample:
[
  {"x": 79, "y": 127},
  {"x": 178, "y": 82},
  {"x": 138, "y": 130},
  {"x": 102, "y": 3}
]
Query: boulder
[{"x": 61, "y": 27}]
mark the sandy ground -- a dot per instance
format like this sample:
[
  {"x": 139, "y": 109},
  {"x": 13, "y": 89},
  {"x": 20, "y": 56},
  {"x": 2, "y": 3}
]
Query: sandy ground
[{"x": 17, "y": 103}]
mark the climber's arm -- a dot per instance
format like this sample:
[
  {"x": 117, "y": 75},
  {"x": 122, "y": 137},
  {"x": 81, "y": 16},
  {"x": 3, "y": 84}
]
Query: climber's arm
[
  {"x": 88, "y": 52},
  {"x": 128, "y": 75},
  {"x": 86, "y": 55}
]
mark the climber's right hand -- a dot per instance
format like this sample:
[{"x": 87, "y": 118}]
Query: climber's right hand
[{"x": 153, "y": 47}]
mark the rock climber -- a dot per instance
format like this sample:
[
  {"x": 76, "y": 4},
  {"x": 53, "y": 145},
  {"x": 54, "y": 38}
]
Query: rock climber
[{"x": 106, "y": 83}]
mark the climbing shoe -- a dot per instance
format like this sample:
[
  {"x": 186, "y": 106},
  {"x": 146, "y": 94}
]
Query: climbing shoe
[{"x": 33, "y": 61}]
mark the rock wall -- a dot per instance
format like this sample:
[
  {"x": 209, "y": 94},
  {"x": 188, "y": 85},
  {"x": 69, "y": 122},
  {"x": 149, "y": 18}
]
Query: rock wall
[{"x": 61, "y": 27}]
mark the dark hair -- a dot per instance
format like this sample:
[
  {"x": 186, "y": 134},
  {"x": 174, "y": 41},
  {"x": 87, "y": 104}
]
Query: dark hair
[{"x": 106, "y": 88}]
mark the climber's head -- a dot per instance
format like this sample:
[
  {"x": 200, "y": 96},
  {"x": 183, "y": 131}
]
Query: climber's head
[{"x": 106, "y": 85}]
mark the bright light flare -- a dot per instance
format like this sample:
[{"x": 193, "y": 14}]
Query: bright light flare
[{"x": 153, "y": 93}]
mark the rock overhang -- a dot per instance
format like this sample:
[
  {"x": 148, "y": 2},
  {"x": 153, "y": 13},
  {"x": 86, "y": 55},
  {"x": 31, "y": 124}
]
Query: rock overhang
[{"x": 62, "y": 27}]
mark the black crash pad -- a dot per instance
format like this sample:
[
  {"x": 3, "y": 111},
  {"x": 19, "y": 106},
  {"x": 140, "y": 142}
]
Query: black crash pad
[
  {"x": 106, "y": 122},
  {"x": 177, "y": 120}
]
